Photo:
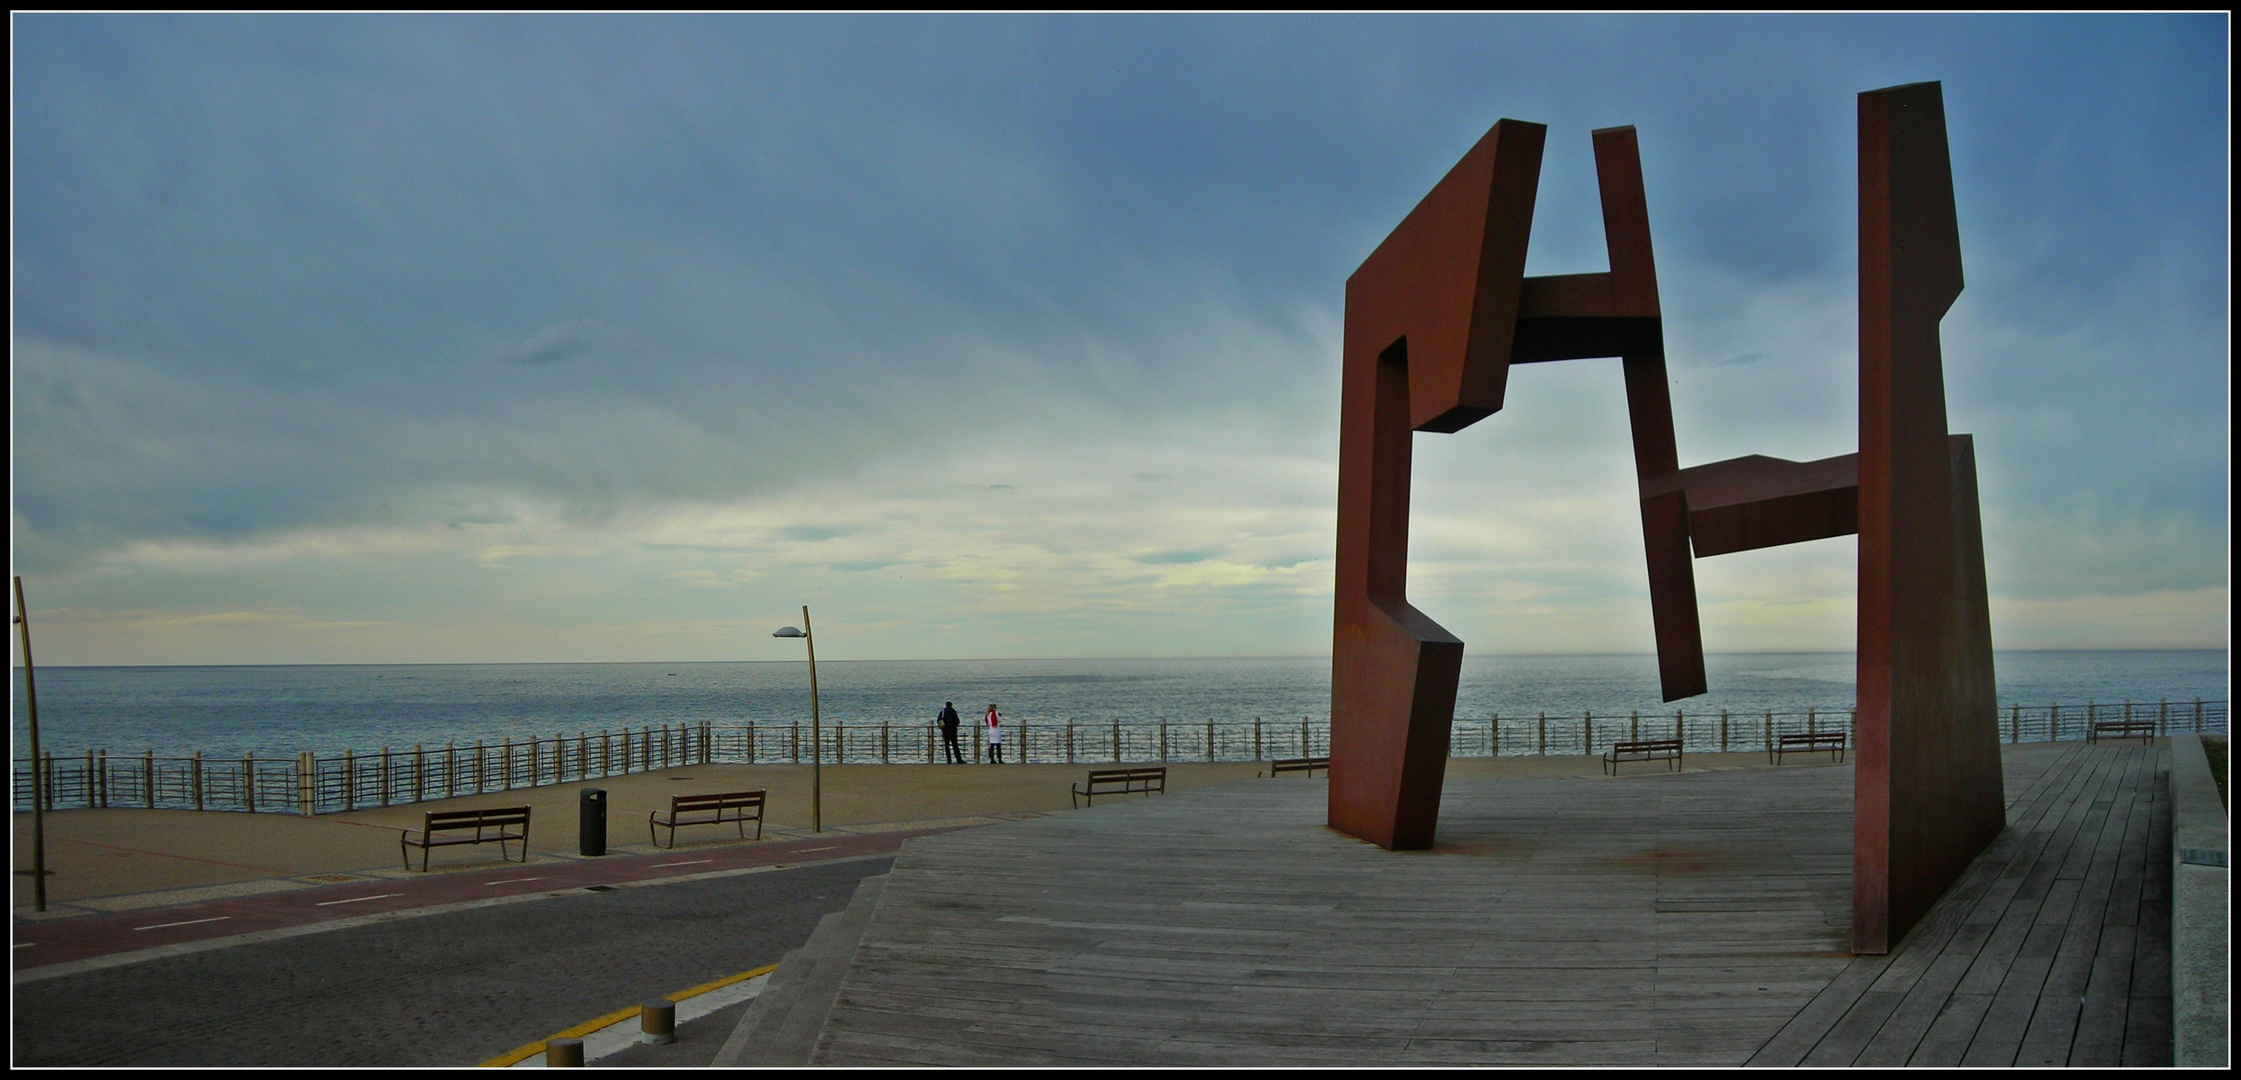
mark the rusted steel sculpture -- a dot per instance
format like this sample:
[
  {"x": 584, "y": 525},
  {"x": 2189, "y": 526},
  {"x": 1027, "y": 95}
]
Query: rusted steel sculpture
[{"x": 1435, "y": 317}]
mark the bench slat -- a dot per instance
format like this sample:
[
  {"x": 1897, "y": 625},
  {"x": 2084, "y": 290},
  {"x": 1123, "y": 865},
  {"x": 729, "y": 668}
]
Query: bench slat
[
  {"x": 434, "y": 822},
  {"x": 1643, "y": 750},
  {"x": 1122, "y": 782},
  {"x": 723, "y": 806}
]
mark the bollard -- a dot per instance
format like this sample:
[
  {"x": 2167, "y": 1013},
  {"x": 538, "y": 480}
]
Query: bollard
[
  {"x": 591, "y": 814},
  {"x": 657, "y": 1023},
  {"x": 564, "y": 1054}
]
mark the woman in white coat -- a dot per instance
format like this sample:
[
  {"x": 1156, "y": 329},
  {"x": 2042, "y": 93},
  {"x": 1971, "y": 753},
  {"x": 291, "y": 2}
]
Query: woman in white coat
[{"x": 995, "y": 725}]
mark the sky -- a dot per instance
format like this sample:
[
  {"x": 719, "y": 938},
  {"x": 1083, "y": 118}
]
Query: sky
[{"x": 366, "y": 339}]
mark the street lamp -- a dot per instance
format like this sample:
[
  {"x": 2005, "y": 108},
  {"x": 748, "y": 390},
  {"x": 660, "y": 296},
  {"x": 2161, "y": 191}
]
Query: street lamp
[
  {"x": 816, "y": 732},
  {"x": 39, "y": 869}
]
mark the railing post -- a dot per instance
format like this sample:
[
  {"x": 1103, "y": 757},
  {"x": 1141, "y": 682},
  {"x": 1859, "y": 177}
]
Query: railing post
[
  {"x": 419, "y": 773},
  {"x": 1209, "y": 740},
  {"x": 307, "y": 798},
  {"x": 194, "y": 777},
  {"x": 349, "y": 781},
  {"x": 1633, "y": 726},
  {"x": 2015, "y": 722},
  {"x": 1541, "y": 742},
  {"x": 1494, "y": 735},
  {"x": 148, "y": 777},
  {"x": 506, "y": 764},
  {"x": 1809, "y": 725},
  {"x": 249, "y": 781},
  {"x": 384, "y": 776},
  {"x": 2198, "y": 716},
  {"x": 1303, "y": 744},
  {"x": 451, "y": 769},
  {"x": 793, "y": 743},
  {"x": 1163, "y": 740},
  {"x": 884, "y": 732},
  {"x": 1256, "y": 738},
  {"x": 1769, "y": 730},
  {"x": 1069, "y": 741},
  {"x": 1116, "y": 743},
  {"x": 1587, "y": 732},
  {"x": 44, "y": 778},
  {"x": 1680, "y": 730}
]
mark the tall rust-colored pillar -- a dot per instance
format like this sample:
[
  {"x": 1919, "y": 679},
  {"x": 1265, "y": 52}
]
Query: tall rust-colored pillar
[
  {"x": 1429, "y": 317},
  {"x": 1434, "y": 319},
  {"x": 1928, "y": 778}
]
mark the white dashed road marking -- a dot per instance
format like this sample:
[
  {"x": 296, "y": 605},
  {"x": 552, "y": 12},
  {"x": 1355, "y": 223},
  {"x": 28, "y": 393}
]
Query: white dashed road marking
[{"x": 189, "y": 922}]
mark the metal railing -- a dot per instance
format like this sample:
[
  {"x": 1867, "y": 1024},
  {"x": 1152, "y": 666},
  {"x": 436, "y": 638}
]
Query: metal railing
[{"x": 311, "y": 784}]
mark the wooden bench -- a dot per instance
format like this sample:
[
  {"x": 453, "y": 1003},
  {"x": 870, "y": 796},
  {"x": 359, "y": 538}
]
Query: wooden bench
[
  {"x": 2122, "y": 729},
  {"x": 719, "y": 808},
  {"x": 1121, "y": 782},
  {"x": 1799, "y": 742},
  {"x": 1306, "y": 765},
  {"x": 1643, "y": 750},
  {"x": 438, "y": 827}
]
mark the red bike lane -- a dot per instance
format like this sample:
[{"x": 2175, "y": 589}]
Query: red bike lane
[{"x": 60, "y": 941}]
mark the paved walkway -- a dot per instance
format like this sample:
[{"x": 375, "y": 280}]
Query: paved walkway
[
  {"x": 65, "y": 947},
  {"x": 1656, "y": 919},
  {"x": 107, "y": 860}
]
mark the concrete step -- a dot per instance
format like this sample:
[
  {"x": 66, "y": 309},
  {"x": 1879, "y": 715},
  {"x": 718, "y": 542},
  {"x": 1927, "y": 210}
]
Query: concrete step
[{"x": 780, "y": 1029}]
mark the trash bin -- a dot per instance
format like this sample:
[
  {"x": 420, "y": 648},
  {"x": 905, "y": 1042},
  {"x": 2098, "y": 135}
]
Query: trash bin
[{"x": 592, "y": 817}]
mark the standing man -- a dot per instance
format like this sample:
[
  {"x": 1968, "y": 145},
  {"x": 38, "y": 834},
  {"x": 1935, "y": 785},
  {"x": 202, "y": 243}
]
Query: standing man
[
  {"x": 995, "y": 735},
  {"x": 951, "y": 754}
]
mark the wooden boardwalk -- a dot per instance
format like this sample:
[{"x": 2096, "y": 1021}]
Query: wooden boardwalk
[
  {"x": 1675, "y": 919},
  {"x": 2055, "y": 949}
]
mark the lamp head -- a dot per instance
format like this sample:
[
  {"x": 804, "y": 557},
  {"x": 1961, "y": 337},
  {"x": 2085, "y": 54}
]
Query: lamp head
[{"x": 788, "y": 631}]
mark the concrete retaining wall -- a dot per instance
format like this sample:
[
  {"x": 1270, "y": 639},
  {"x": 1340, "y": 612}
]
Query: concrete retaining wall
[{"x": 2199, "y": 936}]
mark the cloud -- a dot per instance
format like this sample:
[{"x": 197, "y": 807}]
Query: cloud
[
  {"x": 480, "y": 314},
  {"x": 555, "y": 343}
]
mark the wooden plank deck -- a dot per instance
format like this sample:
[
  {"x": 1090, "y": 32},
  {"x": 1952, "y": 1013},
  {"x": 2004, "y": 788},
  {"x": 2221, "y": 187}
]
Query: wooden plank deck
[
  {"x": 2052, "y": 950},
  {"x": 1654, "y": 919}
]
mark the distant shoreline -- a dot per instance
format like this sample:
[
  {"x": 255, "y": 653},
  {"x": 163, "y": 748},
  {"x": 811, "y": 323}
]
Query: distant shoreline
[{"x": 1060, "y": 659}]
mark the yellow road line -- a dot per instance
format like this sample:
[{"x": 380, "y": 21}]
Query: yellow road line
[{"x": 521, "y": 1053}]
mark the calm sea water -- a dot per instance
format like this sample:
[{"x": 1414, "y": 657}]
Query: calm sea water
[{"x": 330, "y": 708}]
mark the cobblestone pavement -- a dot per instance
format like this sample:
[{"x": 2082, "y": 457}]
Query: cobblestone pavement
[{"x": 449, "y": 989}]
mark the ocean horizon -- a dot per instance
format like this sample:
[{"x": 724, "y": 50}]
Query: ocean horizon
[{"x": 329, "y": 708}]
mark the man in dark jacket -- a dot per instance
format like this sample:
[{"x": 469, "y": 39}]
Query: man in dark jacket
[{"x": 950, "y": 750}]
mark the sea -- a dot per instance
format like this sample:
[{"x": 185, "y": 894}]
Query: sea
[{"x": 327, "y": 709}]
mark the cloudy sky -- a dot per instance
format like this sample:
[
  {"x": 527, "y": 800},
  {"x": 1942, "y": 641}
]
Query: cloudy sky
[{"x": 574, "y": 338}]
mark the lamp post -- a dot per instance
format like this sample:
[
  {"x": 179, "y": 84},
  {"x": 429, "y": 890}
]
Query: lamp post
[
  {"x": 38, "y": 805},
  {"x": 816, "y": 731}
]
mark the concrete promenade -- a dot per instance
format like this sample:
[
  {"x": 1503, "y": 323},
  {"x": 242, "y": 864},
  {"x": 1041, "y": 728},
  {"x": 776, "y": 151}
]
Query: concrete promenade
[{"x": 1657, "y": 919}]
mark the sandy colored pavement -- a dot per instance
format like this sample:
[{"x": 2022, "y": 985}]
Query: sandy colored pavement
[{"x": 121, "y": 859}]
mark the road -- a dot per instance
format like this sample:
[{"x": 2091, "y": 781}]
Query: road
[{"x": 454, "y": 987}]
